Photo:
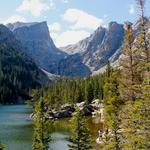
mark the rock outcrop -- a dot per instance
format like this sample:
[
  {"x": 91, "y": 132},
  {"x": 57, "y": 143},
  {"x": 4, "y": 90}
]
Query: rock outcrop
[{"x": 67, "y": 110}]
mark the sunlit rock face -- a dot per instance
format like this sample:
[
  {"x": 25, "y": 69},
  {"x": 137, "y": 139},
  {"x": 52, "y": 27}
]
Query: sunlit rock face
[{"x": 95, "y": 51}]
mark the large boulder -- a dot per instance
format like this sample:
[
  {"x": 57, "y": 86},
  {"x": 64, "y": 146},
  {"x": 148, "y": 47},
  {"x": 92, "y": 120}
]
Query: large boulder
[
  {"x": 87, "y": 110},
  {"x": 65, "y": 111},
  {"x": 68, "y": 107},
  {"x": 61, "y": 114}
]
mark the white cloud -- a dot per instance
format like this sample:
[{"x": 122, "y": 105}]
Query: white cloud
[
  {"x": 131, "y": 9},
  {"x": 13, "y": 19},
  {"x": 35, "y": 7},
  {"x": 54, "y": 27},
  {"x": 69, "y": 37},
  {"x": 54, "y": 35},
  {"x": 52, "y": 4},
  {"x": 81, "y": 19},
  {"x": 65, "y": 1}
]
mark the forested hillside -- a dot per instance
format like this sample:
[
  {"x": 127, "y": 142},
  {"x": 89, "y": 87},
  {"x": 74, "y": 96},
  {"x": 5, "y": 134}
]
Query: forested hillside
[
  {"x": 74, "y": 90},
  {"x": 18, "y": 74}
]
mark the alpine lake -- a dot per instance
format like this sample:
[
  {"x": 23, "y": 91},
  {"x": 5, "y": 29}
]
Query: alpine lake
[{"x": 16, "y": 129}]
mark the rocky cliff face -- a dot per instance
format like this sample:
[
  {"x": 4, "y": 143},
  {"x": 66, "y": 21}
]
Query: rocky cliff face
[
  {"x": 95, "y": 51},
  {"x": 104, "y": 45},
  {"x": 37, "y": 43}
]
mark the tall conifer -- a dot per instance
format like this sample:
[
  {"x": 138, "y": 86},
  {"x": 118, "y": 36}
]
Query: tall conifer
[
  {"x": 41, "y": 137},
  {"x": 80, "y": 140}
]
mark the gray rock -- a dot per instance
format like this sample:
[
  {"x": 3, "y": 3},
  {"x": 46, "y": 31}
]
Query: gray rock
[
  {"x": 94, "y": 51},
  {"x": 87, "y": 110}
]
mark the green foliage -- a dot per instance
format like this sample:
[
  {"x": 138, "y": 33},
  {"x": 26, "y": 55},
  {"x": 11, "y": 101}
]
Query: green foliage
[
  {"x": 136, "y": 110},
  {"x": 72, "y": 91},
  {"x": 18, "y": 74},
  {"x": 125, "y": 94},
  {"x": 136, "y": 119},
  {"x": 41, "y": 137},
  {"x": 130, "y": 75},
  {"x": 80, "y": 139},
  {"x": 112, "y": 107},
  {"x": 90, "y": 93}
]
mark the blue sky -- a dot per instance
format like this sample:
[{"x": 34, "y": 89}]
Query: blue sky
[{"x": 70, "y": 20}]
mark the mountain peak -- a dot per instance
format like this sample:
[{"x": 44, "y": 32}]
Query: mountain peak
[
  {"x": 100, "y": 46},
  {"x": 16, "y": 25},
  {"x": 37, "y": 43}
]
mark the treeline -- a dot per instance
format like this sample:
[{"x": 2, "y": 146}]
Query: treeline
[
  {"x": 74, "y": 90},
  {"x": 18, "y": 74}
]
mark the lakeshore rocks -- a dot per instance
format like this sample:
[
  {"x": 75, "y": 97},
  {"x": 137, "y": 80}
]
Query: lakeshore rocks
[
  {"x": 87, "y": 110},
  {"x": 98, "y": 110},
  {"x": 67, "y": 110}
]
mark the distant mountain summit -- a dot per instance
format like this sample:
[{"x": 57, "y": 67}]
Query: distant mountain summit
[
  {"x": 95, "y": 51},
  {"x": 83, "y": 45},
  {"x": 37, "y": 43},
  {"x": 88, "y": 56},
  {"x": 13, "y": 26}
]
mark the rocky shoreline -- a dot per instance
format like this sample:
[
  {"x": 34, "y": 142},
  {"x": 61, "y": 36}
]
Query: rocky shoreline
[{"x": 67, "y": 110}]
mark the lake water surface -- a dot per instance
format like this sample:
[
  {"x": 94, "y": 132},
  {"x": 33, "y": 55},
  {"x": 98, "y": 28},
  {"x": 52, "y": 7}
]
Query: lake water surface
[{"x": 16, "y": 129}]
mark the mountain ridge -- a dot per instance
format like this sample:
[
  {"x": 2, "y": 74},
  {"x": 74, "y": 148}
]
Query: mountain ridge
[
  {"x": 99, "y": 47},
  {"x": 81, "y": 59}
]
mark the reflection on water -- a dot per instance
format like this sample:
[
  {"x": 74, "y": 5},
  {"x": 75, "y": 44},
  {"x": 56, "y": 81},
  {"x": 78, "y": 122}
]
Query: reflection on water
[
  {"x": 59, "y": 141},
  {"x": 16, "y": 129}
]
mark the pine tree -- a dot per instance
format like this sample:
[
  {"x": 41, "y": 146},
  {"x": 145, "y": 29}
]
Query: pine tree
[
  {"x": 112, "y": 107},
  {"x": 137, "y": 119},
  {"x": 129, "y": 62},
  {"x": 136, "y": 109},
  {"x": 108, "y": 69},
  {"x": 89, "y": 93},
  {"x": 41, "y": 137},
  {"x": 142, "y": 40},
  {"x": 129, "y": 82},
  {"x": 139, "y": 123},
  {"x": 80, "y": 140}
]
